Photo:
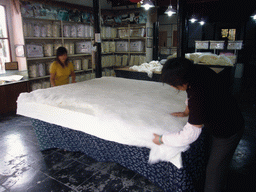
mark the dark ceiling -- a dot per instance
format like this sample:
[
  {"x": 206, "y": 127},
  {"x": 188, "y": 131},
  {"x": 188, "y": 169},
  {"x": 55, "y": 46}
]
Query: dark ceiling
[{"x": 211, "y": 10}]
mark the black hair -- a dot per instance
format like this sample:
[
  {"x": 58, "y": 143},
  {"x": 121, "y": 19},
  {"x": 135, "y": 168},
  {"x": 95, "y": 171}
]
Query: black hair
[
  {"x": 61, "y": 51},
  {"x": 178, "y": 71}
]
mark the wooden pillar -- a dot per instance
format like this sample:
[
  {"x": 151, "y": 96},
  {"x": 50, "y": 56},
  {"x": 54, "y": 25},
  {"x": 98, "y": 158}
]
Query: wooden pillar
[
  {"x": 155, "y": 40},
  {"x": 181, "y": 28},
  {"x": 97, "y": 52}
]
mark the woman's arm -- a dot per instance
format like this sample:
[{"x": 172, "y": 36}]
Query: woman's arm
[
  {"x": 187, "y": 135},
  {"x": 52, "y": 79},
  {"x": 73, "y": 76}
]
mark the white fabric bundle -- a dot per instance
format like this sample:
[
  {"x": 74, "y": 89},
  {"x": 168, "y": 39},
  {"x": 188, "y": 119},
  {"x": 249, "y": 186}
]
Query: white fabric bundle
[{"x": 149, "y": 68}]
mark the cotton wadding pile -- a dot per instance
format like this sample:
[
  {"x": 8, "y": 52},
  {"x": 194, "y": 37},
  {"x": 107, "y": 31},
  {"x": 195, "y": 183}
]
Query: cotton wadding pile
[{"x": 149, "y": 68}]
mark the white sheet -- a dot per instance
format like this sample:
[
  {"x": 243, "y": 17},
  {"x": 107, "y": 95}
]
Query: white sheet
[
  {"x": 149, "y": 68},
  {"x": 116, "y": 109}
]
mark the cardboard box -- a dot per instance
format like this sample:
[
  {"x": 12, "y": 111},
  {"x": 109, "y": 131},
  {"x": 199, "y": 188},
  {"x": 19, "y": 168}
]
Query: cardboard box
[
  {"x": 34, "y": 50},
  {"x": 137, "y": 46},
  {"x": 121, "y": 46},
  {"x": 11, "y": 65},
  {"x": 84, "y": 47}
]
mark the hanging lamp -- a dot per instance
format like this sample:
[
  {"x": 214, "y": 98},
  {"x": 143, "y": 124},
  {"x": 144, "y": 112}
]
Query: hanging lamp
[
  {"x": 193, "y": 19},
  {"x": 202, "y": 22},
  {"x": 147, "y": 4},
  {"x": 170, "y": 11},
  {"x": 254, "y": 15}
]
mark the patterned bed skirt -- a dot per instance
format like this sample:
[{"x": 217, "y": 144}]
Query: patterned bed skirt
[{"x": 164, "y": 174}]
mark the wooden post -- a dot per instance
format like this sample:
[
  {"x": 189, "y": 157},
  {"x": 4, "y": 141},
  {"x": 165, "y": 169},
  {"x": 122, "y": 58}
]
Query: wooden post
[
  {"x": 181, "y": 28},
  {"x": 97, "y": 40}
]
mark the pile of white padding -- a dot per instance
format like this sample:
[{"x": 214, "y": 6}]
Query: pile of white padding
[
  {"x": 207, "y": 58},
  {"x": 121, "y": 110},
  {"x": 149, "y": 68}
]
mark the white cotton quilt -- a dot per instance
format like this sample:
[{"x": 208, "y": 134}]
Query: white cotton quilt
[{"x": 116, "y": 109}]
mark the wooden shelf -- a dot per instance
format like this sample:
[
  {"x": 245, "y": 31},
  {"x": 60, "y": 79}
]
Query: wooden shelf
[
  {"x": 43, "y": 38},
  {"x": 53, "y": 57},
  {"x": 39, "y": 58}
]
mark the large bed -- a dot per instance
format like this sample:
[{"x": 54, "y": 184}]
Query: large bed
[{"x": 113, "y": 119}]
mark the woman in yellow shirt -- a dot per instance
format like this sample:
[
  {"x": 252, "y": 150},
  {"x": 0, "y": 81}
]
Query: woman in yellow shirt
[{"x": 61, "y": 69}]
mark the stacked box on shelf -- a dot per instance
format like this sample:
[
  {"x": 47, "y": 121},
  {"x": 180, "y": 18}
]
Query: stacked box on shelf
[
  {"x": 142, "y": 59},
  {"x": 34, "y": 50},
  {"x": 40, "y": 85},
  {"x": 70, "y": 46},
  {"x": 108, "y": 47},
  {"x": 108, "y": 61},
  {"x": 202, "y": 44},
  {"x": 125, "y": 60},
  {"x": 137, "y": 46},
  {"x": 85, "y": 64},
  {"x": 46, "y": 84},
  {"x": 88, "y": 76},
  {"x": 119, "y": 60},
  {"x": 112, "y": 47},
  {"x": 112, "y": 60},
  {"x": 122, "y": 46},
  {"x": 216, "y": 44},
  {"x": 48, "y": 49},
  {"x": 103, "y": 61},
  {"x": 77, "y": 63},
  {"x": 235, "y": 45},
  {"x": 32, "y": 71},
  {"x": 41, "y": 69},
  {"x": 123, "y": 33},
  {"x": 137, "y": 60},
  {"x": 84, "y": 47},
  {"x": 78, "y": 30},
  {"x": 41, "y": 29},
  {"x": 56, "y": 45},
  {"x": 37, "y": 70},
  {"x": 137, "y": 32},
  {"x": 105, "y": 46},
  {"x": 106, "y": 32},
  {"x": 88, "y": 31}
]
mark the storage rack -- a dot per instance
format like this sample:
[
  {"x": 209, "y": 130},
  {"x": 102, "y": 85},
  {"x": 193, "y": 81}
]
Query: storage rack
[
  {"x": 125, "y": 34},
  {"x": 57, "y": 38}
]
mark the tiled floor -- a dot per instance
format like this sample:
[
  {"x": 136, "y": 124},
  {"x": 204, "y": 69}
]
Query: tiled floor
[{"x": 23, "y": 167}]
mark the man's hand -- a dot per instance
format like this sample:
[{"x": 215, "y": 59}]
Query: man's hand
[{"x": 179, "y": 114}]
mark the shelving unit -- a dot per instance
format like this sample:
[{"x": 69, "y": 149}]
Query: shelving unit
[
  {"x": 38, "y": 32},
  {"x": 49, "y": 35},
  {"x": 121, "y": 38}
]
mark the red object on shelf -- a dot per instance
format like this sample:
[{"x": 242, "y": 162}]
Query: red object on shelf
[{"x": 135, "y": 1}]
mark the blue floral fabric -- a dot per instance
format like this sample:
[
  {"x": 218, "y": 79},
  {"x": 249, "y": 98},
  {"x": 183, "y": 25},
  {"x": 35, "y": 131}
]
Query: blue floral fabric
[{"x": 164, "y": 174}]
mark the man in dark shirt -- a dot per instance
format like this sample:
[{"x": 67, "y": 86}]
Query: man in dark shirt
[{"x": 209, "y": 104}]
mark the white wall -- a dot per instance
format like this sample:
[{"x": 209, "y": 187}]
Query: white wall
[
  {"x": 7, "y": 5},
  {"x": 14, "y": 22}
]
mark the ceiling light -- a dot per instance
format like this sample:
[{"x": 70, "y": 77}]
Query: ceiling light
[
  {"x": 202, "y": 22},
  {"x": 254, "y": 15},
  {"x": 193, "y": 19},
  {"x": 147, "y": 4},
  {"x": 170, "y": 11}
]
